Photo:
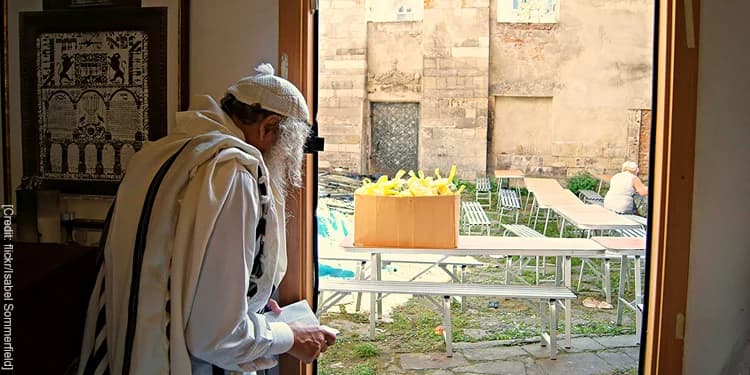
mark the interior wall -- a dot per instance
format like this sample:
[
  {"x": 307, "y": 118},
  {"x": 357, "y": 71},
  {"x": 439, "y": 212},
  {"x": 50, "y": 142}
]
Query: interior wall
[
  {"x": 718, "y": 306},
  {"x": 228, "y": 41}
]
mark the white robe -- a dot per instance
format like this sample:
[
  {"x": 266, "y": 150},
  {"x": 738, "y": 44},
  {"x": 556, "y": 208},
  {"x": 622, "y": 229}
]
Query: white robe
[{"x": 199, "y": 250}]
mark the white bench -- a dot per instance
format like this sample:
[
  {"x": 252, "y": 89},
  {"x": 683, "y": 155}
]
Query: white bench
[
  {"x": 473, "y": 215},
  {"x": 442, "y": 262},
  {"x": 552, "y": 295},
  {"x": 521, "y": 230},
  {"x": 483, "y": 190},
  {"x": 606, "y": 258},
  {"x": 508, "y": 199},
  {"x": 638, "y": 219},
  {"x": 633, "y": 232}
]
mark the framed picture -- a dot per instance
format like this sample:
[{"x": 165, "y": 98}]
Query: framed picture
[{"x": 93, "y": 90}]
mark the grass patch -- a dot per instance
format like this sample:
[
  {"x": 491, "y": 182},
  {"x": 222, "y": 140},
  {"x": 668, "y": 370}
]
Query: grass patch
[
  {"x": 366, "y": 350},
  {"x": 599, "y": 328}
]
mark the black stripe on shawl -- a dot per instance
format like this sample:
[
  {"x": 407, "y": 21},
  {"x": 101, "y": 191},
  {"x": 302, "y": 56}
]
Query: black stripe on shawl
[
  {"x": 91, "y": 363},
  {"x": 139, "y": 249},
  {"x": 104, "y": 235}
]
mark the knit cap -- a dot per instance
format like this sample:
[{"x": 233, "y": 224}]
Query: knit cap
[{"x": 273, "y": 93}]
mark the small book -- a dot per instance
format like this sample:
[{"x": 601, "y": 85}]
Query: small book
[{"x": 298, "y": 312}]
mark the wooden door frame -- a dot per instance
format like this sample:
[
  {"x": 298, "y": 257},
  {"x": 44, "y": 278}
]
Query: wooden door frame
[
  {"x": 296, "y": 62},
  {"x": 672, "y": 188},
  {"x": 677, "y": 36}
]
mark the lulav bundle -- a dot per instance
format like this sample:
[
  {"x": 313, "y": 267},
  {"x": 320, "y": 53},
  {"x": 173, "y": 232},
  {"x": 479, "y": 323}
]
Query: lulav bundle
[{"x": 416, "y": 185}]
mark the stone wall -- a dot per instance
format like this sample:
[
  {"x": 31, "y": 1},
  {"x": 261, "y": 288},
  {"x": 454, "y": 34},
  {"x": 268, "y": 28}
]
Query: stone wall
[
  {"x": 595, "y": 64},
  {"x": 341, "y": 82},
  {"x": 455, "y": 88},
  {"x": 548, "y": 98}
]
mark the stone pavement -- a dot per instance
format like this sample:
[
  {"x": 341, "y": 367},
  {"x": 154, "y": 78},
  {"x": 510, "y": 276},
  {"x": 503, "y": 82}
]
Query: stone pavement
[{"x": 587, "y": 356}]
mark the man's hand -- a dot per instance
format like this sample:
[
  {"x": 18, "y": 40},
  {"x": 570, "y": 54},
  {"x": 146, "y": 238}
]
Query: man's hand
[
  {"x": 310, "y": 341},
  {"x": 274, "y": 306}
]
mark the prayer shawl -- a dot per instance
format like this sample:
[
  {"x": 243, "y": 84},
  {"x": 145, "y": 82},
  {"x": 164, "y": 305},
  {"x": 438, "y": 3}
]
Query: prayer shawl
[{"x": 155, "y": 240}]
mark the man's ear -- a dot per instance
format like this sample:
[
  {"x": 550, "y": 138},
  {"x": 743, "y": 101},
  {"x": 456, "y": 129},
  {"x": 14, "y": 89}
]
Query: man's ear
[{"x": 269, "y": 126}]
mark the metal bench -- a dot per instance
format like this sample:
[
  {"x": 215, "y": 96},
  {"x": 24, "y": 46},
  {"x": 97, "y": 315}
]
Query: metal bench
[
  {"x": 634, "y": 232},
  {"x": 606, "y": 258},
  {"x": 473, "y": 215},
  {"x": 552, "y": 295},
  {"x": 508, "y": 199},
  {"x": 520, "y": 230},
  {"x": 442, "y": 262},
  {"x": 483, "y": 190},
  {"x": 638, "y": 219},
  {"x": 591, "y": 197}
]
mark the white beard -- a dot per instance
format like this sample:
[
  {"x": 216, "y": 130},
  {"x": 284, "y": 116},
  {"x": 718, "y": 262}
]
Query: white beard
[{"x": 284, "y": 159}]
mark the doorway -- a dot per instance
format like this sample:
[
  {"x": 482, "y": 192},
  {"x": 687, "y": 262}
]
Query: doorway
[{"x": 395, "y": 140}]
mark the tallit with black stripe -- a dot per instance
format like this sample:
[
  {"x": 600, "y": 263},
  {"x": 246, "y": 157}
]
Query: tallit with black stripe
[{"x": 157, "y": 235}]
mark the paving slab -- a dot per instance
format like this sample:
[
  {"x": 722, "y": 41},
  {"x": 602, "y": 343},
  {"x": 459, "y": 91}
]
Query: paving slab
[
  {"x": 438, "y": 372},
  {"x": 538, "y": 351},
  {"x": 494, "y": 367},
  {"x": 482, "y": 344},
  {"x": 617, "y": 341},
  {"x": 534, "y": 369},
  {"x": 633, "y": 351},
  {"x": 575, "y": 363},
  {"x": 492, "y": 354},
  {"x": 618, "y": 359},
  {"x": 423, "y": 361},
  {"x": 583, "y": 344}
]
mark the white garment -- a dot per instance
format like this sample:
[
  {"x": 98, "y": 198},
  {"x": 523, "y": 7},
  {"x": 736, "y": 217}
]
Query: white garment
[
  {"x": 202, "y": 219},
  {"x": 619, "y": 197}
]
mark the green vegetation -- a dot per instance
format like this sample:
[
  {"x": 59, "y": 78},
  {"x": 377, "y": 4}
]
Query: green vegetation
[
  {"x": 582, "y": 181},
  {"x": 366, "y": 350}
]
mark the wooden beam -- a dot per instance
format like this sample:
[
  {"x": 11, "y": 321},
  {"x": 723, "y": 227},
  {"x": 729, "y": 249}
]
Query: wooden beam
[
  {"x": 674, "y": 149},
  {"x": 296, "y": 62}
]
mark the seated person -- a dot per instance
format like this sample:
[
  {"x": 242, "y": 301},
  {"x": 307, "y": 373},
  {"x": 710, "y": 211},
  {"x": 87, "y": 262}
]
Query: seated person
[{"x": 622, "y": 187}]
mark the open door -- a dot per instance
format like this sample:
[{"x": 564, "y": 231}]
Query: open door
[
  {"x": 674, "y": 135},
  {"x": 296, "y": 63}
]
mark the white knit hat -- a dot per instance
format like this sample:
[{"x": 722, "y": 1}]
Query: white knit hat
[{"x": 273, "y": 93}]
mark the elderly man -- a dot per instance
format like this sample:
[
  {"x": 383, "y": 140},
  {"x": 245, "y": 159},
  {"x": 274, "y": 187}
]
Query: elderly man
[{"x": 194, "y": 245}]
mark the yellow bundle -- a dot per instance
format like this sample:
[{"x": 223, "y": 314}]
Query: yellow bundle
[{"x": 417, "y": 185}]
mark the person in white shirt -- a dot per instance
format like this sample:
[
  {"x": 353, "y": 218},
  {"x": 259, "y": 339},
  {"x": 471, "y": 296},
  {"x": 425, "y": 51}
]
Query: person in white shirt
[
  {"x": 622, "y": 187},
  {"x": 194, "y": 244}
]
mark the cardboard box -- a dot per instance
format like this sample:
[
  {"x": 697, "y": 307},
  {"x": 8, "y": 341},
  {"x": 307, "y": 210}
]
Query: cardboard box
[{"x": 421, "y": 222}]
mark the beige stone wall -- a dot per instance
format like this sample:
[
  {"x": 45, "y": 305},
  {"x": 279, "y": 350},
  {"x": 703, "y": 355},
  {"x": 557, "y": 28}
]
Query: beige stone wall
[
  {"x": 551, "y": 99},
  {"x": 454, "y": 97},
  {"x": 342, "y": 72},
  {"x": 595, "y": 65}
]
